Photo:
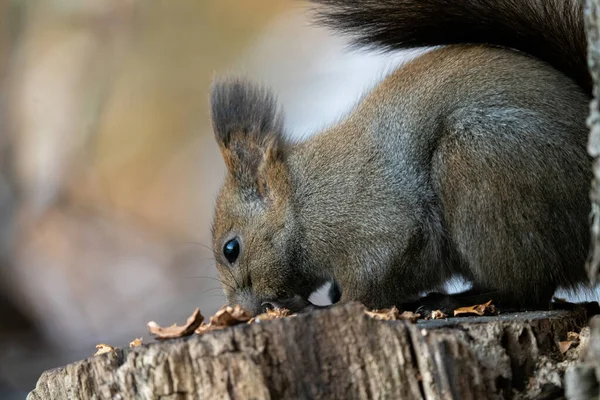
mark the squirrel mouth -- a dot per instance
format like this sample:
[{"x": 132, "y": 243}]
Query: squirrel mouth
[
  {"x": 300, "y": 304},
  {"x": 296, "y": 305}
]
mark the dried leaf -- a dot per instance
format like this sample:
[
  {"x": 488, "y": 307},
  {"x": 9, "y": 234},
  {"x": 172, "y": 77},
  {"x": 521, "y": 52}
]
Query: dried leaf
[
  {"x": 279, "y": 313},
  {"x": 438, "y": 314},
  {"x": 229, "y": 316},
  {"x": 135, "y": 342},
  {"x": 175, "y": 331},
  {"x": 103, "y": 349},
  {"x": 409, "y": 316},
  {"x": 572, "y": 341},
  {"x": 565, "y": 346},
  {"x": 389, "y": 314},
  {"x": 272, "y": 314},
  {"x": 204, "y": 328},
  {"x": 478, "y": 309},
  {"x": 226, "y": 316},
  {"x": 393, "y": 314}
]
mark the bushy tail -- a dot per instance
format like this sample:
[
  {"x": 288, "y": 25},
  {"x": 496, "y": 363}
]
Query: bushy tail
[{"x": 551, "y": 30}]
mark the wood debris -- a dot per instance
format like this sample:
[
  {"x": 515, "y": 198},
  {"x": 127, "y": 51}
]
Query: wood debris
[
  {"x": 103, "y": 349},
  {"x": 438, "y": 314},
  {"x": 204, "y": 328},
  {"x": 175, "y": 331},
  {"x": 478, "y": 309},
  {"x": 229, "y": 316},
  {"x": 565, "y": 346},
  {"x": 571, "y": 342},
  {"x": 393, "y": 314},
  {"x": 225, "y": 317},
  {"x": 272, "y": 314}
]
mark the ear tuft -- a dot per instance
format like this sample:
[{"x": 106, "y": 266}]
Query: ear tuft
[
  {"x": 239, "y": 107},
  {"x": 248, "y": 129}
]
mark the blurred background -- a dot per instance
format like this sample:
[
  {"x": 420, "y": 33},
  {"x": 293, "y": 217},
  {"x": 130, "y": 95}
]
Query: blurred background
[{"x": 108, "y": 167}]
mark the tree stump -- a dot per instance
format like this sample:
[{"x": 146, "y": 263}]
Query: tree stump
[{"x": 337, "y": 353}]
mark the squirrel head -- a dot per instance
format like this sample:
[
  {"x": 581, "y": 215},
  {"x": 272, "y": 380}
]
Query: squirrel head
[{"x": 255, "y": 234}]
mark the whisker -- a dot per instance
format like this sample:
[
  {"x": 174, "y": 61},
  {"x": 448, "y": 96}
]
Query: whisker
[
  {"x": 214, "y": 296},
  {"x": 207, "y": 291},
  {"x": 212, "y": 279},
  {"x": 212, "y": 265},
  {"x": 231, "y": 274},
  {"x": 233, "y": 277},
  {"x": 199, "y": 244}
]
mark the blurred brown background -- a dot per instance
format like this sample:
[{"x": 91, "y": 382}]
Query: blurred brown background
[{"x": 108, "y": 169}]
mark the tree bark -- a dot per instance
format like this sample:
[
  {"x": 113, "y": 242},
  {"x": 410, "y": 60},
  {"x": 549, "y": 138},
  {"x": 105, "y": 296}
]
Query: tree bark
[
  {"x": 581, "y": 380},
  {"x": 592, "y": 15},
  {"x": 339, "y": 353}
]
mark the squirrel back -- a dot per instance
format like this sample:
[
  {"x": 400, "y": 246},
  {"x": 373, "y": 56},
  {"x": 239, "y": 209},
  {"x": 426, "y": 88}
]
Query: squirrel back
[{"x": 550, "y": 30}]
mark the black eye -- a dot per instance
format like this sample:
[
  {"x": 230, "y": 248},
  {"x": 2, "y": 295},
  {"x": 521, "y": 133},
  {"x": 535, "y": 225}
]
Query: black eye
[{"x": 231, "y": 250}]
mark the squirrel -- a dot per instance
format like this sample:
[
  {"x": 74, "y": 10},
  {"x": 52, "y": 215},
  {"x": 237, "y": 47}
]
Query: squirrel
[{"x": 468, "y": 161}]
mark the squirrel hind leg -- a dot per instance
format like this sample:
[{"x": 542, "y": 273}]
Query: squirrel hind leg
[
  {"x": 515, "y": 197},
  {"x": 504, "y": 302}
]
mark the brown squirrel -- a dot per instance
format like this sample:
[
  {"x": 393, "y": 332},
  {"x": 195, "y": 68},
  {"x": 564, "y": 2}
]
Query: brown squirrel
[{"x": 468, "y": 161}]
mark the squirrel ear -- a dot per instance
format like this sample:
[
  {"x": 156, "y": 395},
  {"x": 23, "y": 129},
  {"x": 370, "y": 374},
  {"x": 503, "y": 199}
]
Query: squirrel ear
[{"x": 248, "y": 128}]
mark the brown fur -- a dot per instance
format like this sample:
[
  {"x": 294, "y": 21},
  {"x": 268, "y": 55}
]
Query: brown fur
[{"x": 468, "y": 161}]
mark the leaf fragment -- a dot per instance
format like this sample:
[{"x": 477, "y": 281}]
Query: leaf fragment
[
  {"x": 393, "y": 314},
  {"x": 175, "y": 331},
  {"x": 103, "y": 349},
  {"x": 565, "y": 346},
  {"x": 438, "y": 314},
  {"x": 478, "y": 309},
  {"x": 225, "y": 317},
  {"x": 276, "y": 313},
  {"x": 229, "y": 316}
]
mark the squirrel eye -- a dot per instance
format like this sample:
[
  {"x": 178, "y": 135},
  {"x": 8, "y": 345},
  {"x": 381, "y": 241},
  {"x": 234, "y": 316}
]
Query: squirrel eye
[{"x": 231, "y": 250}]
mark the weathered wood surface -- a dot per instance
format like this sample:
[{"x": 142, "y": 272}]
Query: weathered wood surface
[
  {"x": 581, "y": 379},
  {"x": 592, "y": 20},
  {"x": 339, "y": 353}
]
